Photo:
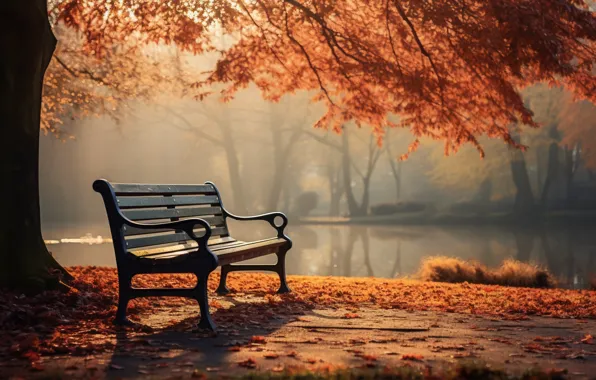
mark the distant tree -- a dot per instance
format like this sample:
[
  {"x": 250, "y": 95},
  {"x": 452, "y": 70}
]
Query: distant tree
[
  {"x": 451, "y": 69},
  {"x": 350, "y": 162},
  {"x": 305, "y": 203}
]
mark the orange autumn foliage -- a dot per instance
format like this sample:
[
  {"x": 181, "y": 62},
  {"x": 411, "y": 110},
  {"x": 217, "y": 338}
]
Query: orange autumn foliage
[
  {"x": 79, "y": 322},
  {"x": 451, "y": 70}
]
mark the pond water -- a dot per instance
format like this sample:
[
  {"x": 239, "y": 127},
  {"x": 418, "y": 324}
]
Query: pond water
[{"x": 382, "y": 251}]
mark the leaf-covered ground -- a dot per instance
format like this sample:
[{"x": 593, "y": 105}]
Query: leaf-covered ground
[{"x": 78, "y": 323}]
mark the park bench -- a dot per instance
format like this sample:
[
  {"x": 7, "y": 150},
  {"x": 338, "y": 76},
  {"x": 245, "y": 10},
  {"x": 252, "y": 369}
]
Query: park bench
[{"x": 182, "y": 229}]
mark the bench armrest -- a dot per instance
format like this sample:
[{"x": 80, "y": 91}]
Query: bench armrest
[
  {"x": 269, "y": 217},
  {"x": 186, "y": 225}
]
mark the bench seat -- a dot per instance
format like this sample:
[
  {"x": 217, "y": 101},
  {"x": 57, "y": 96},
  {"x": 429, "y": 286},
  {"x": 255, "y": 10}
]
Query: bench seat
[{"x": 227, "y": 252}]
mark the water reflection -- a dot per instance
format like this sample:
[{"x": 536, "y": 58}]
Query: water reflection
[{"x": 394, "y": 251}]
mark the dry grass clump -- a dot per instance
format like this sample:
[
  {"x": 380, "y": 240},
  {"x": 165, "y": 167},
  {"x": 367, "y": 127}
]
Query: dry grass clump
[{"x": 510, "y": 273}]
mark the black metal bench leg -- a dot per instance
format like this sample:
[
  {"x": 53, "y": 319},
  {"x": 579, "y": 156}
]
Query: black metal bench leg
[
  {"x": 121, "y": 312},
  {"x": 222, "y": 289},
  {"x": 124, "y": 284},
  {"x": 206, "y": 322},
  {"x": 281, "y": 271}
]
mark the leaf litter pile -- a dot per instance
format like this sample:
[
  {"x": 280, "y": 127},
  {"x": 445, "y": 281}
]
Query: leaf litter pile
[{"x": 78, "y": 322}]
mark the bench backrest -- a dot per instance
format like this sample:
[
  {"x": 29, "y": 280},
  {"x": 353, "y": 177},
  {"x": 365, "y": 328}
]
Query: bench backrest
[{"x": 161, "y": 203}]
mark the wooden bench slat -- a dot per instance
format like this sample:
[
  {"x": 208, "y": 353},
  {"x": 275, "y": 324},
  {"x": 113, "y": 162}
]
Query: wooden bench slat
[
  {"x": 214, "y": 241},
  {"x": 188, "y": 246},
  {"x": 214, "y": 221},
  {"x": 169, "y": 238},
  {"x": 237, "y": 243},
  {"x": 170, "y": 255},
  {"x": 246, "y": 251},
  {"x": 249, "y": 251},
  {"x": 148, "y": 214},
  {"x": 160, "y": 201},
  {"x": 144, "y": 189},
  {"x": 191, "y": 244}
]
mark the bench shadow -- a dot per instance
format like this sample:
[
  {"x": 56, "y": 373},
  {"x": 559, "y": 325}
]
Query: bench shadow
[{"x": 184, "y": 347}]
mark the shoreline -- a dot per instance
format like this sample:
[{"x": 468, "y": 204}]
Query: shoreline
[{"x": 587, "y": 218}]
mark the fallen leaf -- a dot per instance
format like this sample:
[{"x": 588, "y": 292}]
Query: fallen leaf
[
  {"x": 412, "y": 357},
  {"x": 248, "y": 363},
  {"x": 196, "y": 374},
  {"x": 37, "y": 367},
  {"x": 257, "y": 339}
]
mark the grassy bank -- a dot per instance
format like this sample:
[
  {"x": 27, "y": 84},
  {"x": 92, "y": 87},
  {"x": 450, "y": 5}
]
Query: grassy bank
[{"x": 510, "y": 273}]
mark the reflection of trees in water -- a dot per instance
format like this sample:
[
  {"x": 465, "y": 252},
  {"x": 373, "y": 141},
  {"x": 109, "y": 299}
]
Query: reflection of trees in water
[
  {"x": 303, "y": 238},
  {"x": 568, "y": 252},
  {"x": 524, "y": 242},
  {"x": 342, "y": 249},
  {"x": 366, "y": 248},
  {"x": 397, "y": 265},
  {"x": 564, "y": 250},
  {"x": 335, "y": 250}
]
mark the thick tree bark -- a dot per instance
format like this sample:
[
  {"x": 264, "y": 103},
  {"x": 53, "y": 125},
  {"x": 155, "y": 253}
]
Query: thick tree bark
[{"x": 26, "y": 47}]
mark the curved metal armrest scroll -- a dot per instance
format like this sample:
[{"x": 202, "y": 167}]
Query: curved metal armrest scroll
[
  {"x": 186, "y": 225},
  {"x": 269, "y": 217}
]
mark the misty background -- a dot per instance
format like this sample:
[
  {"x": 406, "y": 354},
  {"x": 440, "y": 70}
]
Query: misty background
[{"x": 267, "y": 156}]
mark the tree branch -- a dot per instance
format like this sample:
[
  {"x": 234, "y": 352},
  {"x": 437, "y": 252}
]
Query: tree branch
[{"x": 423, "y": 50}]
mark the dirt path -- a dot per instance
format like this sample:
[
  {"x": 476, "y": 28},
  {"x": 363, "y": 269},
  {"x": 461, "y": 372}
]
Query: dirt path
[{"x": 328, "y": 338}]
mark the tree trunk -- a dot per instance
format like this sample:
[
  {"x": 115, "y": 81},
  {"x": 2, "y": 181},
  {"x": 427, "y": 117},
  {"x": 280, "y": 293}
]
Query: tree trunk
[
  {"x": 335, "y": 201},
  {"x": 397, "y": 178},
  {"x": 281, "y": 155},
  {"x": 365, "y": 196},
  {"x": 26, "y": 45},
  {"x": 539, "y": 167},
  {"x": 336, "y": 188},
  {"x": 395, "y": 168},
  {"x": 353, "y": 207},
  {"x": 551, "y": 174},
  {"x": 233, "y": 166},
  {"x": 524, "y": 199},
  {"x": 570, "y": 167}
]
